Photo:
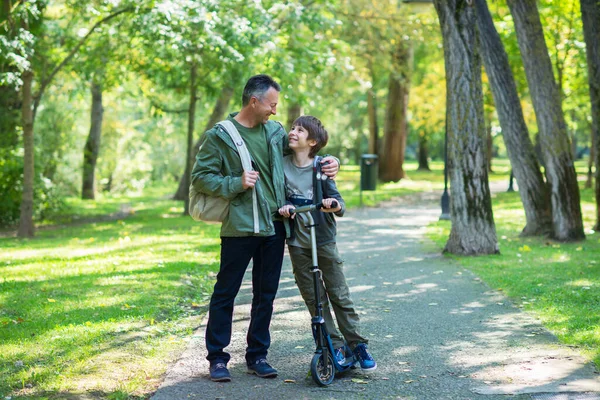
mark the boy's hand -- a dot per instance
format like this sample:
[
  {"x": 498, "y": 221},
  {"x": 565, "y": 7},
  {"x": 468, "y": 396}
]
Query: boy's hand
[
  {"x": 249, "y": 179},
  {"x": 330, "y": 166},
  {"x": 285, "y": 211},
  {"x": 327, "y": 205}
]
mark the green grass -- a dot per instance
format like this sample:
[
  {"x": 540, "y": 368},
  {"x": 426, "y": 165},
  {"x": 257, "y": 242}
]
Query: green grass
[
  {"x": 102, "y": 306},
  {"x": 558, "y": 282},
  {"x": 108, "y": 293}
]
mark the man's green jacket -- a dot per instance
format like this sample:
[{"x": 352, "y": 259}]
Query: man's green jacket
[{"x": 218, "y": 172}]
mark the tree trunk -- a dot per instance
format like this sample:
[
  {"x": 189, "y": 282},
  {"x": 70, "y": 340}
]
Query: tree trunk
[
  {"x": 373, "y": 126},
  {"x": 26, "y": 227},
  {"x": 293, "y": 112},
  {"x": 473, "y": 230},
  {"x": 590, "y": 174},
  {"x": 590, "y": 14},
  {"x": 423, "y": 153},
  {"x": 217, "y": 115},
  {"x": 546, "y": 98},
  {"x": 489, "y": 141},
  {"x": 92, "y": 145},
  {"x": 532, "y": 188},
  {"x": 190, "y": 137},
  {"x": 395, "y": 128}
]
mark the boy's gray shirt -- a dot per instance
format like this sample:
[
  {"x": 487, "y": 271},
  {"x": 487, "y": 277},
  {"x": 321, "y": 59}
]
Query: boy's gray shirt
[{"x": 301, "y": 183}]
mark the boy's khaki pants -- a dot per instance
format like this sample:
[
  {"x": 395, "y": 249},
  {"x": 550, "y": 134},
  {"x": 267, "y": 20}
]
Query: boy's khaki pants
[{"x": 331, "y": 265}]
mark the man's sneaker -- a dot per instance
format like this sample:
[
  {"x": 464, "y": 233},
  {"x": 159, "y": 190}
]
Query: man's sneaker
[
  {"x": 219, "y": 373},
  {"x": 262, "y": 368},
  {"x": 367, "y": 363},
  {"x": 340, "y": 355}
]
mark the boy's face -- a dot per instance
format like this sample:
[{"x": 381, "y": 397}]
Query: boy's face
[{"x": 298, "y": 139}]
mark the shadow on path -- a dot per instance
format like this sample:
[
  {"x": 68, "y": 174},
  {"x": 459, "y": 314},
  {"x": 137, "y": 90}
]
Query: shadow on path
[{"x": 436, "y": 331}]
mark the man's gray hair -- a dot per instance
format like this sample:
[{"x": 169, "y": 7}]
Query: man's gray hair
[{"x": 257, "y": 86}]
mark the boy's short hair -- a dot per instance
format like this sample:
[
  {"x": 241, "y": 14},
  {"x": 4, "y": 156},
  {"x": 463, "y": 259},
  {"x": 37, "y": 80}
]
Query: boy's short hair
[
  {"x": 257, "y": 86},
  {"x": 316, "y": 131}
]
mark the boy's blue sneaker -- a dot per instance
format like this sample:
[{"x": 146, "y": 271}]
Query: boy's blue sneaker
[
  {"x": 340, "y": 355},
  {"x": 219, "y": 373},
  {"x": 367, "y": 363},
  {"x": 262, "y": 368}
]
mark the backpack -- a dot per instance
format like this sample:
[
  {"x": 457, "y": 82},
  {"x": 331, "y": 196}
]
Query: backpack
[{"x": 204, "y": 207}]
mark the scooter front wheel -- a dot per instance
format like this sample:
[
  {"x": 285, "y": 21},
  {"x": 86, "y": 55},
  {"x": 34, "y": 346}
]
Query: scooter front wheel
[{"x": 322, "y": 370}]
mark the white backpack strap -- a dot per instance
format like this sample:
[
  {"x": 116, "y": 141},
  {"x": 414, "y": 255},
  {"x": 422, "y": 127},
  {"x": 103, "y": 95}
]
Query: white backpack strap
[{"x": 230, "y": 128}]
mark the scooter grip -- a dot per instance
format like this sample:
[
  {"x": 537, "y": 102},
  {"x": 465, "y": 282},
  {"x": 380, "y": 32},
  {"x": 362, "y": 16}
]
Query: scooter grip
[{"x": 334, "y": 204}]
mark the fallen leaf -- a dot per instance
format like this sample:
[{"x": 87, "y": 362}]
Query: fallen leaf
[
  {"x": 525, "y": 248},
  {"x": 51, "y": 301},
  {"x": 195, "y": 305},
  {"x": 409, "y": 381},
  {"x": 356, "y": 380},
  {"x": 402, "y": 362},
  {"x": 389, "y": 336},
  {"x": 289, "y": 381},
  {"x": 299, "y": 347}
]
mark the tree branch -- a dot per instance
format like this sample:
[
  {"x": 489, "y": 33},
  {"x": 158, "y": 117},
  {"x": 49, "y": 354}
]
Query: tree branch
[
  {"x": 169, "y": 110},
  {"x": 18, "y": 3},
  {"x": 47, "y": 81}
]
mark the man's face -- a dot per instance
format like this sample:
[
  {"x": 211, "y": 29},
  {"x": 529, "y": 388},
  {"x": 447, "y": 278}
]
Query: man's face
[{"x": 265, "y": 106}]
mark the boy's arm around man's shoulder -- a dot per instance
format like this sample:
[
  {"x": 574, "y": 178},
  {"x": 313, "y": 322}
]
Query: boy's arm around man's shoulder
[{"x": 207, "y": 173}]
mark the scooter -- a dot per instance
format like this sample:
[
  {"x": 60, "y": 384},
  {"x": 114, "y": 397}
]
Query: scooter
[{"x": 323, "y": 365}]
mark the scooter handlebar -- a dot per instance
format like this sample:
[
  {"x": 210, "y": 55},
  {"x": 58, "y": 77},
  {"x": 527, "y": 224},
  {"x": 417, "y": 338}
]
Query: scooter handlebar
[{"x": 312, "y": 207}]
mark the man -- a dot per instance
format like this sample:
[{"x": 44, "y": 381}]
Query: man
[{"x": 218, "y": 171}]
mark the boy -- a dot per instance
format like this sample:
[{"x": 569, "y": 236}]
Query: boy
[{"x": 305, "y": 186}]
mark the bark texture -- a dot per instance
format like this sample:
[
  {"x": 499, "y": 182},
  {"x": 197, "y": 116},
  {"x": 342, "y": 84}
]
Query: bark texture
[
  {"x": 92, "y": 145},
  {"x": 473, "y": 231},
  {"x": 560, "y": 170},
  {"x": 218, "y": 114},
  {"x": 590, "y": 14},
  {"x": 26, "y": 227},
  {"x": 395, "y": 127},
  {"x": 532, "y": 188}
]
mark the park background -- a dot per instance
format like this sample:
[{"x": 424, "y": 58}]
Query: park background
[{"x": 102, "y": 103}]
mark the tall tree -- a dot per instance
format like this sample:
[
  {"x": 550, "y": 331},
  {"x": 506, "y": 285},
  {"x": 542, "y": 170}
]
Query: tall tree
[
  {"x": 560, "y": 170},
  {"x": 473, "y": 230},
  {"x": 395, "y": 126},
  {"x": 590, "y": 14},
  {"x": 92, "y": 144},
  {"x": 37, "y": 66},
  {"x": 532, "y": 188}
]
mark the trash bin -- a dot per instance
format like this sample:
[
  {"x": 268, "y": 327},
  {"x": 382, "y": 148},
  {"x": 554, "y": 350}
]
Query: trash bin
[{"x": 368, "y": 172}]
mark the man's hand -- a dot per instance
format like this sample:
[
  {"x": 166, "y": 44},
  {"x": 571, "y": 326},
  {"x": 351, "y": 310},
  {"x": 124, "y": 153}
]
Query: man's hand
[
  {"x": 249, "y": 179},
  {"x": 327, "y": 205},
  {"x": 285, "y": 211},
  {"x": 330, "y": 166}
]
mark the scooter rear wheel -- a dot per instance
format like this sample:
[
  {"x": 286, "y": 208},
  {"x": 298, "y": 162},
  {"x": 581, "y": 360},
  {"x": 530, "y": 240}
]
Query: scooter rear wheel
[{"x": 322, "y": 370}]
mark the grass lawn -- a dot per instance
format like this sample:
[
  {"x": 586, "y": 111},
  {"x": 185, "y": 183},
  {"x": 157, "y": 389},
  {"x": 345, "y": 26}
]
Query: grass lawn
[
  {"x": 558, "y": 282},
  {"x": 101, "y": 305}
]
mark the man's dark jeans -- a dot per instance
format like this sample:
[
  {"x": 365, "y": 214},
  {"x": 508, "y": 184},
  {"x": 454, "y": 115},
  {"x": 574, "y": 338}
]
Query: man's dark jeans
[{"x": 236, "y": 253}]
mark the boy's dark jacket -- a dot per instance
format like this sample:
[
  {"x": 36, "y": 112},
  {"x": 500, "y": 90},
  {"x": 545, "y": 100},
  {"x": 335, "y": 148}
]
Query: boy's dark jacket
[{"x": 325, "y": 228}]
